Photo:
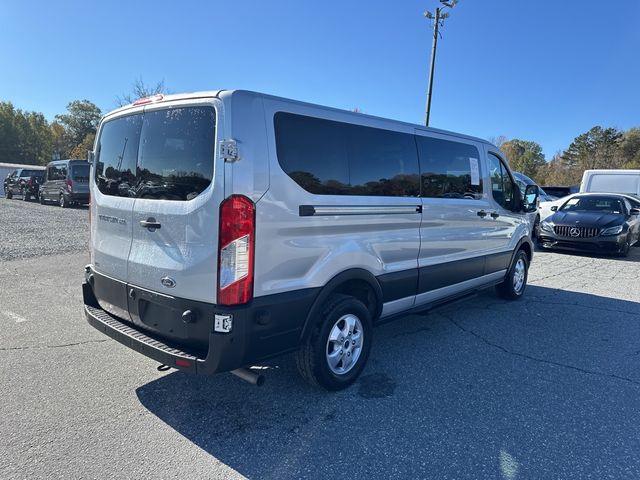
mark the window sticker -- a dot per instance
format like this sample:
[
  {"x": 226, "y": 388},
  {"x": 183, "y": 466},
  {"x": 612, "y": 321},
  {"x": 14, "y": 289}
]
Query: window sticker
[{"x": 475, "y": 171}]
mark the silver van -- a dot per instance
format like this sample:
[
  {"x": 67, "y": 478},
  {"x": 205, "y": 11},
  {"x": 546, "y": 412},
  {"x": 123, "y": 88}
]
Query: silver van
[
  {"x": 230, "y": 227},
  {"x": 66, "y": 183}
]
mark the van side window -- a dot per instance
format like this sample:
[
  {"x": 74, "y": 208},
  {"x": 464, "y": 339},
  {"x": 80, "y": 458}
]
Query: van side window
[
  {"x": 449, "y": 169},
  {"x": 57, "y": 173},
  {"x": 502, "y": 187},
  {"x": 116, "y": 156},
  {"x": 335, "y": 158}
]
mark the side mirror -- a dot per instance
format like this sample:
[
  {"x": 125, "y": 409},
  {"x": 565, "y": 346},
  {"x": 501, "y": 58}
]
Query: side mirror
[
  {"x": 531, "y": 194},
  {"x": 634, "y": 211},
  {"x": 554, "y": 208}
]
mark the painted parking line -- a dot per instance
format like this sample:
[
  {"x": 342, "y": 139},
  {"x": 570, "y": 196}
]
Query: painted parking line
[{"x": 15, "y": 317}]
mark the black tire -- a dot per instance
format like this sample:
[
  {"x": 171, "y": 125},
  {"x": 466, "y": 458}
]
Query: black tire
[
  {"x": 41, "y": 198},
  {"x": 64, "y": 201},
  {"x": 512, "y": 288},
  {"x": 627, "y": 246},
  {"x": 313, "y": 357},
  {"x": 25, "y": 195},
  {"x": 9, "y": 194}
]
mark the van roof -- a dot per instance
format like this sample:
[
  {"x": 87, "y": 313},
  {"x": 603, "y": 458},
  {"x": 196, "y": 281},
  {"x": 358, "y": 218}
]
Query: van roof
[
  {"x": 619, "y": 171},
  {"x": 228, "y": 93}
]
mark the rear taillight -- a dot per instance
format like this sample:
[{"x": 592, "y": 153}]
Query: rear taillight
[
  {"x": 235, "y": 250},
  {"x": 69, "y": 184}
]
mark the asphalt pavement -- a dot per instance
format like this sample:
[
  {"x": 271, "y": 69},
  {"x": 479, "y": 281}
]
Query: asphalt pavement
[{"x": 546, "y": 387}]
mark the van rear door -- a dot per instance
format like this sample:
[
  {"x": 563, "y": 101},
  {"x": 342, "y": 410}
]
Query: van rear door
[
  {"x": 175, "y": 215},
  {"x": 112, "y": 207}
]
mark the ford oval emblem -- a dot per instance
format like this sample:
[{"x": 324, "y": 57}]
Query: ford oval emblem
[{"x": 168, "y": 282}]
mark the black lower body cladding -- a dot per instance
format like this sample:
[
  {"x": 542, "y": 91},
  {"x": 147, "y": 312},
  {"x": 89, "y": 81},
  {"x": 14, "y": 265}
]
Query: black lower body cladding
[{"x": 153, "y": 324}]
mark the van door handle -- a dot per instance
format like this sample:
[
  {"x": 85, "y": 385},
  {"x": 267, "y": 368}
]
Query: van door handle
[
  {"x": 482, "y": 214},
  {"x": 150, "y": 224},
  {"x": 495, "y": 214}
]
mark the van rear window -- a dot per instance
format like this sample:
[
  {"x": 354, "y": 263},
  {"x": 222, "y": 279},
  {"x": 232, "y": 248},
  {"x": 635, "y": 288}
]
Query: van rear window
[
  {"x": 80, "y": 173},
  {"x": 163, "y": 154}
]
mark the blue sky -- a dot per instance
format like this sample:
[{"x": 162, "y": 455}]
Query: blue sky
[{"x": 538, "y": 70}]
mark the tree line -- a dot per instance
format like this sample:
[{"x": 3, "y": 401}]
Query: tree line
[
  {"x": 598, "y": 148},
  {"x": 28, "y": 138}
]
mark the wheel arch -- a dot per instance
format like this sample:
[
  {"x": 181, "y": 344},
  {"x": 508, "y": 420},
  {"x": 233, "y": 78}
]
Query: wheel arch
[{"x": 355, "y": 282}]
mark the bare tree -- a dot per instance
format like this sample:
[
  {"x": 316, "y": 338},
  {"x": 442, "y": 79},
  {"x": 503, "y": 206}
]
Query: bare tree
[
  {"x": 498, "y": 141},
  {"x": 140, "y": 90}
]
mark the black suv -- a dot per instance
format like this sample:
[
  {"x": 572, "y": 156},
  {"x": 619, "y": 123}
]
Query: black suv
[{"x": 23, "y": 181}]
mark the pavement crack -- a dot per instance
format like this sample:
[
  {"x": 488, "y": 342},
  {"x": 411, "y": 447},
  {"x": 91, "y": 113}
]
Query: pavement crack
[
  {"x": 536, "y": 359},
  {"x": 44, "y": 347}
]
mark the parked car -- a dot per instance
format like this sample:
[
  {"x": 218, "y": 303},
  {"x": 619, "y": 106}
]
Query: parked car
[
  {"x": 611, "y": 181},
  {"x": 534, "y": 217},
  {"x": 66, "y": 183},
  {"x": 596, "y": 222},
  {"x": 288, "y": 227},
  {"x": 24, "y": 182}
]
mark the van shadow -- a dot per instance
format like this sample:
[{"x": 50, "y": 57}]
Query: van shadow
[{"x": 479, "y": 389}]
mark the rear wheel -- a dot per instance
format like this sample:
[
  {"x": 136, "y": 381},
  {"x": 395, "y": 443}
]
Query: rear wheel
[
  {"x": 516, "y": 280},
  {"x": 336, "y": 352},
  {"x": 41, "y": 198},
  {"x": 8, "y": 193}
]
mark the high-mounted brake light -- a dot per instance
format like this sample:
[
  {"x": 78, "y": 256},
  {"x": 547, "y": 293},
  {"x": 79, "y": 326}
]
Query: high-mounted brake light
[
  {"x": 151, "y": 99},
  {"x": 236, "y": 250}
]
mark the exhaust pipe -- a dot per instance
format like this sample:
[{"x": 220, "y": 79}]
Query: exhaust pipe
[{"x": 250, "y": 376}]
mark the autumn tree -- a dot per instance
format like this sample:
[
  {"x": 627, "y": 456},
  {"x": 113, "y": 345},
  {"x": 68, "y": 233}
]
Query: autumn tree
[
  {"x": 25, "y": 137},
  {"x": 80, "y": 124},
  {"x": 629, "y": 149},
  {"x": 524, "y": 156}
]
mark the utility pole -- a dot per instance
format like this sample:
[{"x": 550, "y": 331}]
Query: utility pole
[{"x": 438, "y": 19}]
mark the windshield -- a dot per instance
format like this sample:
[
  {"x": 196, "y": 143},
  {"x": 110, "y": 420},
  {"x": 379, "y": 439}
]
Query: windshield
[
  {"x": 31, "y": 173},
  {"x": 593, "y": 204},
  {"x": 80, "y": 173}
]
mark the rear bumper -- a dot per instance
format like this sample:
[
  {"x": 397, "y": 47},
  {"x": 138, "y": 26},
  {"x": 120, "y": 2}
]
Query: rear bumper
[
  {"x": 267, "y": 327},
  {"x": 78, "y": 197}
]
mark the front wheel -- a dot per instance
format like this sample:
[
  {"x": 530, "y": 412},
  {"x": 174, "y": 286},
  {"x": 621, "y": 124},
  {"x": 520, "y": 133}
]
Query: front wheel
[
  {"x": 64, "y": 202},
  {"x": 624, "y": 251},
  {"x": 8, "y": 193},
  {"x": 516, "y": 280},
  {"x": 336, "y": 352},
  {"x": 25, "y": 195}
]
